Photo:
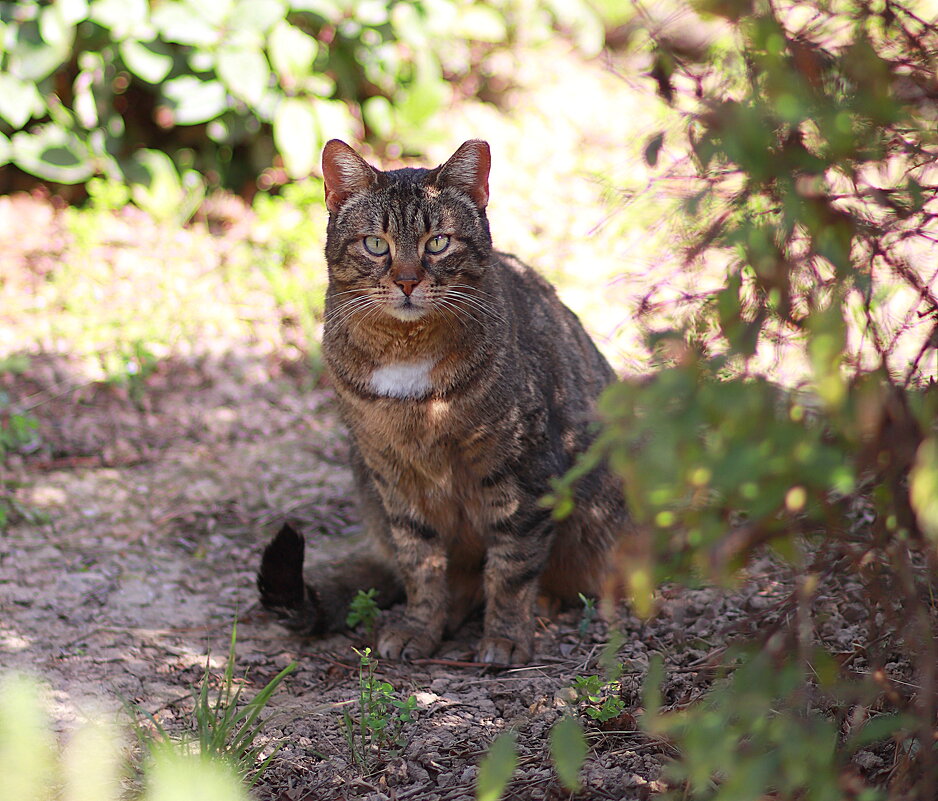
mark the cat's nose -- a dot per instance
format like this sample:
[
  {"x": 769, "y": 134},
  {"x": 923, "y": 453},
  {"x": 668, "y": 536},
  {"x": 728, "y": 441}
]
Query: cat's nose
[{"x": 407, "y": 284}]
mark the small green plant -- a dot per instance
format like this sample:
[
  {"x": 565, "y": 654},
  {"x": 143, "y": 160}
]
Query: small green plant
[
  {"x": 129, "y": 367},
  {"x": 363, "y": 610},
  {"x": 381, "y": 716},
  {"x": 17, "y": 430},
  {"x": 589, "y": 613},
  {"x": 602, "y": 696},
  {"x": 222, "y": 728}
]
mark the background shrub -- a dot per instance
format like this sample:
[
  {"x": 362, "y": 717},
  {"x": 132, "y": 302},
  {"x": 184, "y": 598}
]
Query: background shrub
[{"x": 169, "y": 97}]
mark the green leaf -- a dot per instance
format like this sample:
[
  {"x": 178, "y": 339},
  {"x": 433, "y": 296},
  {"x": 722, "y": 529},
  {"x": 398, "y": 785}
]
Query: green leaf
[
  {"x": 923, "y": 482},
  {"x": 568, "y": 749},
  {"x": 193, "y": 100},
  {"x": 379, "y": 115},
  {"x": 653, "y": 148},
  {"x": 19, "y": 100},
  {"x": 335, "y": 120},
  {"x": 257, "y": 15},
  {"x": 481, "y": 23},
  {"x": 497, "y": 768},
  {"x": 245, "y": 72},
  {"x": 31, "y": 58},
  {"x": 826, "y": 344},
  {"x": 54, "y": 154},
  {"x": 6, "y": 153},
  {"x": 178, "y": 22},
  {"x": 291, "y": 52},
  {"x": 54, "y": 28},
  {"x": 26, "y": 745},
  {"x": 150, "y": 61},
  {"x": 121, "y": 17},
  {"x": 73, "y": 11},
  {"x": 176, "y": 775},
  {"x": 879, "y": 728},
  {"x": 296, "y": 135}
]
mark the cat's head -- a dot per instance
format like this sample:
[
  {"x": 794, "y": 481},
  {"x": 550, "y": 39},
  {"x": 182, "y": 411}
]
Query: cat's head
[{"x": 406, "y": 243}]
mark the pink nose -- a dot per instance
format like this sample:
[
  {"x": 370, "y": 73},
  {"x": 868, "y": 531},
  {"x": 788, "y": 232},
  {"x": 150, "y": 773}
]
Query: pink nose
[{"x": 406, "y": 284}]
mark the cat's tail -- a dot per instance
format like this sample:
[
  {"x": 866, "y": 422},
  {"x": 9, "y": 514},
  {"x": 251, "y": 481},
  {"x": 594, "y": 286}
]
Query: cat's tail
[{"x": 320, "y": 604}]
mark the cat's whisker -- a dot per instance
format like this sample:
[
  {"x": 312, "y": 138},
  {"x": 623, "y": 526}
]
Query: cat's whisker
[
  {"x": 476, "y": 303},
  {"x": 456, "y": 311},
  {"x": 352, "y": 308},
  {"x": 473, "y": 288},
  {"x": 370, "y": 290},
  {"x": 348, "y": 306}
]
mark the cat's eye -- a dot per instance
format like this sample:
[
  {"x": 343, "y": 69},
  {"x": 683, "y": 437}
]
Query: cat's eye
[
  {"x": 437, "y": 244},
  {"x": 376, "y": 246}
]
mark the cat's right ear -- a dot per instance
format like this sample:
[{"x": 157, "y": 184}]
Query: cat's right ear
[{"x": 344, "y": 173}]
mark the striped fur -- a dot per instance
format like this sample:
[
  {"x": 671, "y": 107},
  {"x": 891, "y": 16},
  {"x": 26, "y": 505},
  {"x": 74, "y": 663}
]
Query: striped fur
[{"x": 466, "y": 386}]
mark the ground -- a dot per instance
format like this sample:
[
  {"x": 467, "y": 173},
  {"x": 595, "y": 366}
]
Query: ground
[
  {"x": 181, "y": 420},
  {"x": 146, "y": 555}
]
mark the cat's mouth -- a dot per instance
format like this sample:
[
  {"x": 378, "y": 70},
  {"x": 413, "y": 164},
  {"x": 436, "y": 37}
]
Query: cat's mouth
[{"x": 406, "y": 308}]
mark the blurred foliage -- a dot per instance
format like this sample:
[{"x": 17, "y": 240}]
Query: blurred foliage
[
  {"x": 756, "y": 730},
  {"x": 168, "y": 97},
  {"x": 214, "y": 762},
  {"x": 91, "y": 765},
  {"x": 795, "y": 408}
]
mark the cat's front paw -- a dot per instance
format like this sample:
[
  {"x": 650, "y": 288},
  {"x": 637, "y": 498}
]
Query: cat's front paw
[
  {"x": 502, "y": 651},
  {"x": 405, "y": 641}
]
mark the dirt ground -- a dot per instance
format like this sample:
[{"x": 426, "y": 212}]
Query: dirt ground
[{"x": 147, "y": 522}]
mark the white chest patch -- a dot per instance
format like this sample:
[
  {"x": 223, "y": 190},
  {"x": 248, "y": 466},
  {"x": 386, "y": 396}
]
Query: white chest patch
[{"x": 403, "y": 379}]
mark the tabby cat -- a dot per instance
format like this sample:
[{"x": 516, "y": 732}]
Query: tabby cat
[{"x": 466, "y": 386}]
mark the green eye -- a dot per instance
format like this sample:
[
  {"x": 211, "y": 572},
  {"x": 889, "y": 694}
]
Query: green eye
[
  {"x": 438, "y": 244},
  {"x": 376, "y": 246}
]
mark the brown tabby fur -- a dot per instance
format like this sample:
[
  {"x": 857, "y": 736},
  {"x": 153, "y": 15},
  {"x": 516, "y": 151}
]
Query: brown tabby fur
[{"x": 466, "y": 386}]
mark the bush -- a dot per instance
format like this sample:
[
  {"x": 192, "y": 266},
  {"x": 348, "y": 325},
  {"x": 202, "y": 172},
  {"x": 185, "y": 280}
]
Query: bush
[
  {"x": 796, "y": 408},
  {"x": 163, "y": 95}
]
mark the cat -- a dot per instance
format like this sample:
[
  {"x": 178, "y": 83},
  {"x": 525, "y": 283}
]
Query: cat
[{"x": 466, "y": 386}]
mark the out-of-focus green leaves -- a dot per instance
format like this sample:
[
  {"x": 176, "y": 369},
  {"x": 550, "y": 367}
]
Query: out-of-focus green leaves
[
  {"x": 924, "y": 487},
  {"x": 751, "y": 736},
  {"x": 158, "y": 188},
  {"x": 150, "y": 61},
  {"x": 787, "y": 404},
  {"x": 26, "y": 746},
  {"x": 54, "y": 153},
  {"x": 296, "y": 135},
  {"x": 266, "y": 78},
  {"x": 19, "y": 100},
  {"x": 568, "y": 751},
  {"x": 497, "y": 768}
]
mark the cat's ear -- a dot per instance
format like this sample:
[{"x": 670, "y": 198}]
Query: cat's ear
[
  {"x": 344, "y": 173},
  {"x": 468, "y": 169}
]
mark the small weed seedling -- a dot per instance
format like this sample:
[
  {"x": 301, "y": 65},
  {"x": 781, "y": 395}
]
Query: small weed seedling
[
  {"x": 589, "y": 613},
  {"x": 381, "y": 716},
  {"x": 222, "y": 729},
  {"x": 604, "y": 702},
  {"x": 363, "y": 610}
]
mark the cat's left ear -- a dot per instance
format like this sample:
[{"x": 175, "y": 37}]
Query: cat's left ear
[{"x": 468, "y": 169}]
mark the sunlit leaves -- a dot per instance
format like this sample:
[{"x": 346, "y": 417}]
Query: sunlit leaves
[
  {"x": 924, "y": 487},
  {"x": 751, "y": 735},
  {"x": 568, "y": 751},
  {"x": 193, "y": 100},
  {"x": 175, "y": 775},
  {"x": 497, "y": 768},
  {"x": 26, "y": 746},
  {"x": 296, "y": 136}
]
